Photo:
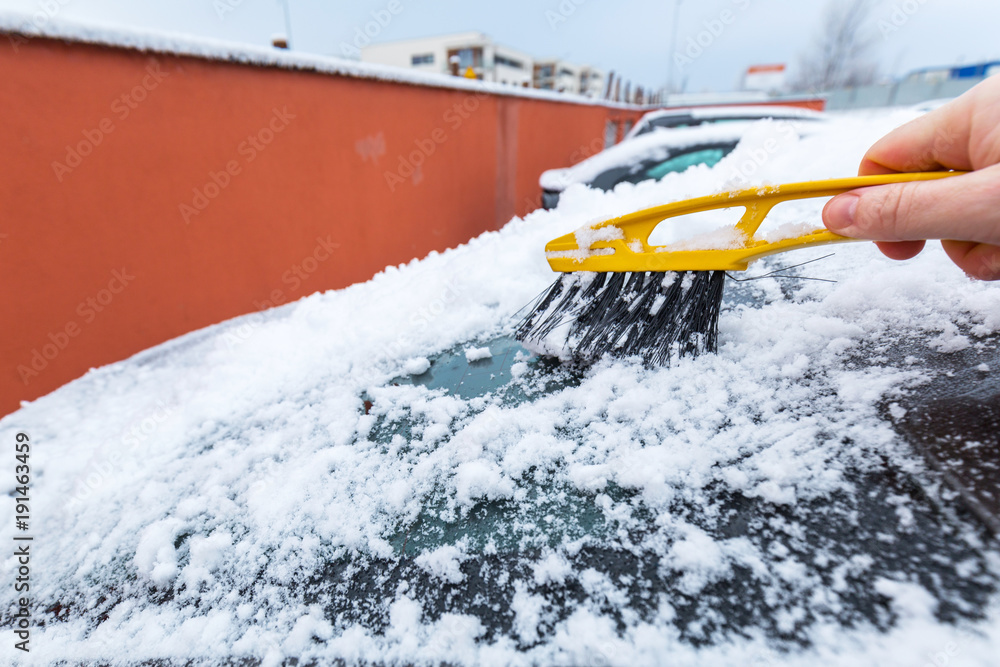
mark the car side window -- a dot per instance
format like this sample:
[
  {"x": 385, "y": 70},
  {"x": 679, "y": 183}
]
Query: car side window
[
  {"x": 636, "y": 172},
  {"x": 680, "y": 163}
]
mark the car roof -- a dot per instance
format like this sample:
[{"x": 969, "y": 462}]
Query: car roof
[
  {"x": 761, "y": 111},
  {"x": 726, "y": 112}
]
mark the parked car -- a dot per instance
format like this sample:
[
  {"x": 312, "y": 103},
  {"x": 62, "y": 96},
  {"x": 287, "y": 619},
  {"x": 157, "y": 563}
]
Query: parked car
[
  {"x": 649, "y": 157},
  {"x": 693, "y": 117},
  {"x": 650, "y": 152}
]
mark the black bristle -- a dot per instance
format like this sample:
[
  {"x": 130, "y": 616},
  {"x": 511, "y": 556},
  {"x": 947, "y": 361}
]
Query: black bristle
[{"x": 654, "y": 316}]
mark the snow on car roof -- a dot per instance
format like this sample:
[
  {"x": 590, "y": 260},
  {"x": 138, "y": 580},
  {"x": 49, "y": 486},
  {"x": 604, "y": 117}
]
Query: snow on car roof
[
  {"x": 762, "y": 110},
  {"x": 265, "y": 488},
  {"x": 724, "y": 112},
  {"x": 42, "y": 24}
]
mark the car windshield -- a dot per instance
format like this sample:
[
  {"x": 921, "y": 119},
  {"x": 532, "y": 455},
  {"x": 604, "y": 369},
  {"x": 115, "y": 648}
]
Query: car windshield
[{"x": 618, "y": 544}]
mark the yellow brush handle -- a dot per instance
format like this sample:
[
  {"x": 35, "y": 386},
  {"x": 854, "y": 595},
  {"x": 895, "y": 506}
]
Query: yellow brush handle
[{"x": 625, "y": 245}]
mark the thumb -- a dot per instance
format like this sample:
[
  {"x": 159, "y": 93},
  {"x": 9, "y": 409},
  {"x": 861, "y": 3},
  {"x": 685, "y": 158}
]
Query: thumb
[{"x": 963, "y": 208}]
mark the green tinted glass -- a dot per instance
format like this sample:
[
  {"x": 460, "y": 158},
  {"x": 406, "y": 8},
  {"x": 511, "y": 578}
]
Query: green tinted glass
[
  {"x": 708, "y": 156},
  {"x": 549, "y": 514}
]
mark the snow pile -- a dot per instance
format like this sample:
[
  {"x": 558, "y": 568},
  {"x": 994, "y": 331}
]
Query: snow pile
[
  {"x": 477, "y": 353},
  {"x": 282, "y": 494},
  {"x": 416, "y": 366}
]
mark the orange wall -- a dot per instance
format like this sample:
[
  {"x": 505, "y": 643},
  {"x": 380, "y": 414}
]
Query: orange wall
[{"x": 100, "y": 260}]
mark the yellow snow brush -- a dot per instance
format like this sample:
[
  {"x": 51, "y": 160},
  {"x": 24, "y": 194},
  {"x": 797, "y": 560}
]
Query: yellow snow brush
[
  {"x": 621, "y": 296},
  {"x": 622, "y": 244}
]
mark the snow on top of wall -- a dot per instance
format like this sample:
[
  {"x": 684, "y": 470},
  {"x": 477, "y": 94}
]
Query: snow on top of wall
[{"x": 262, "y": 56}]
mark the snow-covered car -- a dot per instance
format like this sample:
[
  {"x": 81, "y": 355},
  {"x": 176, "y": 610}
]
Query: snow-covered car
[
  {"x": 652, "y": 155},
  {"x": 666, "y": 119},
  {"x": 381, "y": 475}
]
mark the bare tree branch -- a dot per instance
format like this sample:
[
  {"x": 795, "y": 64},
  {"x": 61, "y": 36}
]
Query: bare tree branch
[{"x": 843, "y": 54}]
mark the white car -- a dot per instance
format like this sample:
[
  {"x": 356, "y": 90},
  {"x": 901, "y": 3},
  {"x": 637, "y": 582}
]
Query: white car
[
  {"x": 650, "y": 152},
  {"x": 649, "y": 157}
]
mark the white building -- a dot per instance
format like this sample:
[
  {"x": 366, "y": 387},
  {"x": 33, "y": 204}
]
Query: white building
[
  {"x": 592, "y": 82},
  {"x": 455, "y": 54},
  {"x": 564, "y": 77}
]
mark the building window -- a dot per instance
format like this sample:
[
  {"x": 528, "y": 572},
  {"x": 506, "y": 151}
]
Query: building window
[
  {"x": 545, "y": 70},
  {"x": 422, "y": 59},
  {"x": 508, "y": 62},
  {"x": 466, "y": 58}
]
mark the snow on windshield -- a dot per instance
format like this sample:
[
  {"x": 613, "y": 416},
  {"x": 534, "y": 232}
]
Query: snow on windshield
[{"x": 270, "y": 488}]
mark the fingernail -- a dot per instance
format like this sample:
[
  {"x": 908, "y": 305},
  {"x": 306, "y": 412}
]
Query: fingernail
[{"x": 840, "y": 212}]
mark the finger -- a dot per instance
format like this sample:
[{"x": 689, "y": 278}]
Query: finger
[
  {"x": 965, "y": 207},
  {"x": 900, "y": 249},
  {"x": 978, "y": 260},
  {"x": 936, "y": 140}
]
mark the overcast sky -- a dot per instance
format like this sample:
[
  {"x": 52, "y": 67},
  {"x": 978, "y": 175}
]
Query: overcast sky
[{"x": 631, "y": 37}]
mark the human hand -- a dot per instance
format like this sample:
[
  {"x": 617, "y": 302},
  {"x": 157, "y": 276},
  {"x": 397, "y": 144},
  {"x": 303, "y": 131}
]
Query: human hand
[{"x": 963, "y": 211}]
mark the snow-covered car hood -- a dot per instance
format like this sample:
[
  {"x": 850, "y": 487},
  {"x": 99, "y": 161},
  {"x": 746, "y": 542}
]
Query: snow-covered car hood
[{"x": 271, "y": 487}]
